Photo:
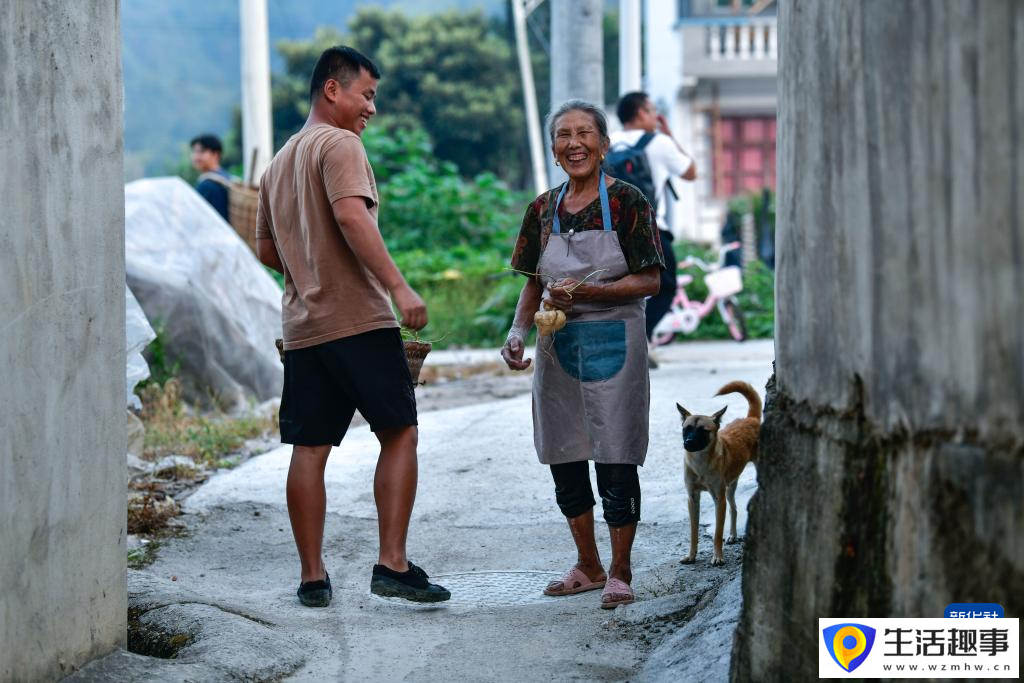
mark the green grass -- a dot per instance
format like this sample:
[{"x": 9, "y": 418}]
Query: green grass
[
  {"x": 472, "y": 312},
  {"x": 173, "y": 429},
  {"x": 471, "y": 298},
  {"x": 144, "y": 555}
]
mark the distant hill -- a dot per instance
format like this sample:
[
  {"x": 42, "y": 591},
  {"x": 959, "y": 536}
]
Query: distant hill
[{"x": 181, "y": 64}]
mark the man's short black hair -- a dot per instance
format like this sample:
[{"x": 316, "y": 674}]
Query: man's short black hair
[
  {"x": 342, "y": 64},
  {"x": 207, "y": 141},
  {"x": 630, "y": 105}
]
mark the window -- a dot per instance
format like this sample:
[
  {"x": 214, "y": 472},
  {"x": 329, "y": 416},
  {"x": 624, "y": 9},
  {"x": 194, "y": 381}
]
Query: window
[{"x": 744, "y": 154}]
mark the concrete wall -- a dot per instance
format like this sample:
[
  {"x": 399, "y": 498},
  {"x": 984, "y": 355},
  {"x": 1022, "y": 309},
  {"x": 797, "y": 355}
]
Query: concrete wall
[
  {"x": 62, "y": 356},
  {"x": 892, "y": 460}
]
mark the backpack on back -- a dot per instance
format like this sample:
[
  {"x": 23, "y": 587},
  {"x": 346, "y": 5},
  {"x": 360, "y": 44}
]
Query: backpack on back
[{"x": 630, "y": 164}]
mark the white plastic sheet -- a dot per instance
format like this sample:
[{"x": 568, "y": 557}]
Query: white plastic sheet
[
  {"x": 138, "y": 334},
  {"x": 197, "y": 280}
]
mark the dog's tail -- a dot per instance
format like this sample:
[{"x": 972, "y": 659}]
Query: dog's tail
[{"x": 748, "y": 392}]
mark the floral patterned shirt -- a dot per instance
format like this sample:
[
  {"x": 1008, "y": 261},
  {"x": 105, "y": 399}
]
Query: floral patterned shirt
[{"x": 631, "y": 215}]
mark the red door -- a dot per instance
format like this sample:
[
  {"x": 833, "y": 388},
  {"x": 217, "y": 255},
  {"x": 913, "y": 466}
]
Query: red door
[{"x": 745, "y": 159}]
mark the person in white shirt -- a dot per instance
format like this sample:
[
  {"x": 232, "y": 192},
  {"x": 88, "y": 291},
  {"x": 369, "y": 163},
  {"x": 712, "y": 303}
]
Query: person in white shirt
[{"x": 666, "y": 159}]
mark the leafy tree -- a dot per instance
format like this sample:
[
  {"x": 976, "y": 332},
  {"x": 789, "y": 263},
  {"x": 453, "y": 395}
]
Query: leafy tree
[
  {"x": 450, "y": 236},
  {"x": 427, "y": 206},
  {"x": 452, "y": 73}
]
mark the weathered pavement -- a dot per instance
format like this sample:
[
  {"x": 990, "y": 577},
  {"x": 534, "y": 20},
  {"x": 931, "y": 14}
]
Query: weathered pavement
[{"x": 485, "y": 525}]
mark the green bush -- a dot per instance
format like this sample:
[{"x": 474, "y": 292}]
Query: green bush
[
  {"x": 451, "y": 237},
  {"x": 427, "y": 206}
]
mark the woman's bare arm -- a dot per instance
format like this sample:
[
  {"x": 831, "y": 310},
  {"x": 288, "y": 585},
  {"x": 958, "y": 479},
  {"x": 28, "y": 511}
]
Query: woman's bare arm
[{"x": 633, "y": 286}]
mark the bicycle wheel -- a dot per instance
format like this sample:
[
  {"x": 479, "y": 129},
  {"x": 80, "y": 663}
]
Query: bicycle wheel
[
  {"x": 665, "y": 331},
  {"x": 663, "y": 338},
  {"x": 734, "y": 319}
]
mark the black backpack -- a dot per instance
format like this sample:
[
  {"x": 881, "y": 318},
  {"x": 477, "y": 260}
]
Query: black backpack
[{"x": 630, "y": 165}]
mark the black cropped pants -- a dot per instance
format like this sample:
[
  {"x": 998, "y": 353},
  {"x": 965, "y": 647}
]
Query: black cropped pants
[{"x": 618, "y": 486}]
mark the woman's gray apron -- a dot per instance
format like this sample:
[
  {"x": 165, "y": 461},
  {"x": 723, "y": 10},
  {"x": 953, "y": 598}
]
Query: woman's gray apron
[{"x": 591, "y": 387}]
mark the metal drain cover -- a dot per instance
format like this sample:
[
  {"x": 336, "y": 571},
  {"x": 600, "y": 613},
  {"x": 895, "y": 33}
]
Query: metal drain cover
[{"x": 492, "y": 588}]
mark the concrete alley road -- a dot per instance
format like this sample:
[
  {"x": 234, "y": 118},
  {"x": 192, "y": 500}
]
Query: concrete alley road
[{"x": 485, "y": 525}]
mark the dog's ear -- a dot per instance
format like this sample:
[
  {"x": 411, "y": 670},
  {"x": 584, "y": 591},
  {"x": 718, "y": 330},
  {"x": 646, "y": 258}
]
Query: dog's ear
[
  {"x": 718, "y": 416},
  {"x": 683, "y": 411}
]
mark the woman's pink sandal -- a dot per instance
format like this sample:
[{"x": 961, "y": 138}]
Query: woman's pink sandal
[
  {"x": 616, "y": 592},
  {"x": 574, "y": 581}
]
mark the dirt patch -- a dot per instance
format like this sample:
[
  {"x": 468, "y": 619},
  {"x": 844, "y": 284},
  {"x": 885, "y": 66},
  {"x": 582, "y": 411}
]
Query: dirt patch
[{"x": 149, "y": 507}]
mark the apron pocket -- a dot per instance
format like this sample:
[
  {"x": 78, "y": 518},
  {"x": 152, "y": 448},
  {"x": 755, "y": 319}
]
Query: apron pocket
[{"x": 591, "y": 351}]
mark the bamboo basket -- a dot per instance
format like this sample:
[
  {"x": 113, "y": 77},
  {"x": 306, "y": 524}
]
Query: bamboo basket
[
  {"x": 415, "y": 353},
  {"x": 242, "y": 203}
]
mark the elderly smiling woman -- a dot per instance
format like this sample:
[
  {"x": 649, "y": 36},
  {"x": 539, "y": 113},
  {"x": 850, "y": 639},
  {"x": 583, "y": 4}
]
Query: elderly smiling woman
[{"x": 592, "y": 251}]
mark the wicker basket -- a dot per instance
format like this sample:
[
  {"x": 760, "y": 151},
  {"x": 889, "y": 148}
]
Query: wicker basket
[
  {"x": 415, "y": 353},
  {"x": 243, "y": 199},
  {"x": 242, "y": 202}
]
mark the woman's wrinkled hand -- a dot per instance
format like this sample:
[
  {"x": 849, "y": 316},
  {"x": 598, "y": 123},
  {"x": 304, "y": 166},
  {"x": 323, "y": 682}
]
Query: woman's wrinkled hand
[
  {"x": 512, "y": 352},
  {"x": 564, "y": 292},
  {"x": 561, "y": 294}
]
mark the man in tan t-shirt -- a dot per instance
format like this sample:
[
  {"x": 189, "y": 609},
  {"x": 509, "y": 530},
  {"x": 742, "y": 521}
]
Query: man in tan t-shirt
[{"x": 317, "y": 224}]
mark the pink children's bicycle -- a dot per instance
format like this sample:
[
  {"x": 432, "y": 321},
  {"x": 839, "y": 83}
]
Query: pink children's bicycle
[{"x": 724, "y": 283}]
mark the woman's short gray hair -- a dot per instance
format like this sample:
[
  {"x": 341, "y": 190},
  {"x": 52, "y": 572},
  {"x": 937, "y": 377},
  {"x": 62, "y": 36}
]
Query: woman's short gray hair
[{"x": 596, "y": 113}]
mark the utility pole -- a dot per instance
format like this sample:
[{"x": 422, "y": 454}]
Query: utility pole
[
  {"x": 520, "y": 10},
  {"x": 257, "y": 133},
  {"x": 629, "y": 46},
  {"x": 577, "y": 56}
]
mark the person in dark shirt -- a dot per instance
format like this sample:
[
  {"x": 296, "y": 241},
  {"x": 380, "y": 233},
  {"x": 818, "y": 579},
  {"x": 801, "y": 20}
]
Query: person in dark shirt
[
  {"x": 590, "y": 249},
  {"x": 206, "y": 153}
]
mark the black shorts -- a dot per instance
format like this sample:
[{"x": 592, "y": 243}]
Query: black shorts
[{"x": 325, "y": 384}]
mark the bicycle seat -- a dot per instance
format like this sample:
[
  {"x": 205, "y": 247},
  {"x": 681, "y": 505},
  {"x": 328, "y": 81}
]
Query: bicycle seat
[{"x": 683, "y": 280}]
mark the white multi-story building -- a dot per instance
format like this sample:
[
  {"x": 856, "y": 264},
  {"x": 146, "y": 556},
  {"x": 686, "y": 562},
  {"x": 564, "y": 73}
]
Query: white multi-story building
[{"x": 710, "y": 66}]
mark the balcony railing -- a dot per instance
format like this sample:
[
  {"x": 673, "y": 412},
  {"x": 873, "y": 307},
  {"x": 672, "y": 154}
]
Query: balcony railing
[{"x": 751, "y": 39}]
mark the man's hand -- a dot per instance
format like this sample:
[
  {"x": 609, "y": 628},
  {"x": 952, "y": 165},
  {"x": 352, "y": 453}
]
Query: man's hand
[
  {"x": 691, "y": 171},
  {"x": 663, "y": 125},
  {"x": 410, "y": 307},
  {"x": 512, "y": 352}
]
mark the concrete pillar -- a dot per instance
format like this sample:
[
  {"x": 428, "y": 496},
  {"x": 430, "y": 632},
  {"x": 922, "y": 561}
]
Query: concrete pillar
[
  {"x": 62, "y": 350},
  {"x": 890, "y": 473},
  {"x": 257, "y": 127},
  {"x": 663, "y": 72},
  {"x": 629, "y": 46},
  {"x": 577, "y": 59}
]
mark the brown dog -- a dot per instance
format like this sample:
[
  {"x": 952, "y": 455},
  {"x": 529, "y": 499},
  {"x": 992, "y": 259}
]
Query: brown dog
[{"x": 715, "y": 458}]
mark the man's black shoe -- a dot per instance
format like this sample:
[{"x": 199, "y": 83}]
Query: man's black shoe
[
  {"x": 316, "y": 593},
  {"x": 411, "y": 585}
]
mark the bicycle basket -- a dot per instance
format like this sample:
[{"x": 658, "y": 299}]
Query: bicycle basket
[{"x": 725, "y": 282}]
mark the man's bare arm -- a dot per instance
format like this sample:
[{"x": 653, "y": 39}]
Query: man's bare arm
[
  {"x": 266, "y": 251},
  {"x": 361, "y": 233},
  {"x": 691, "y": 172}
]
